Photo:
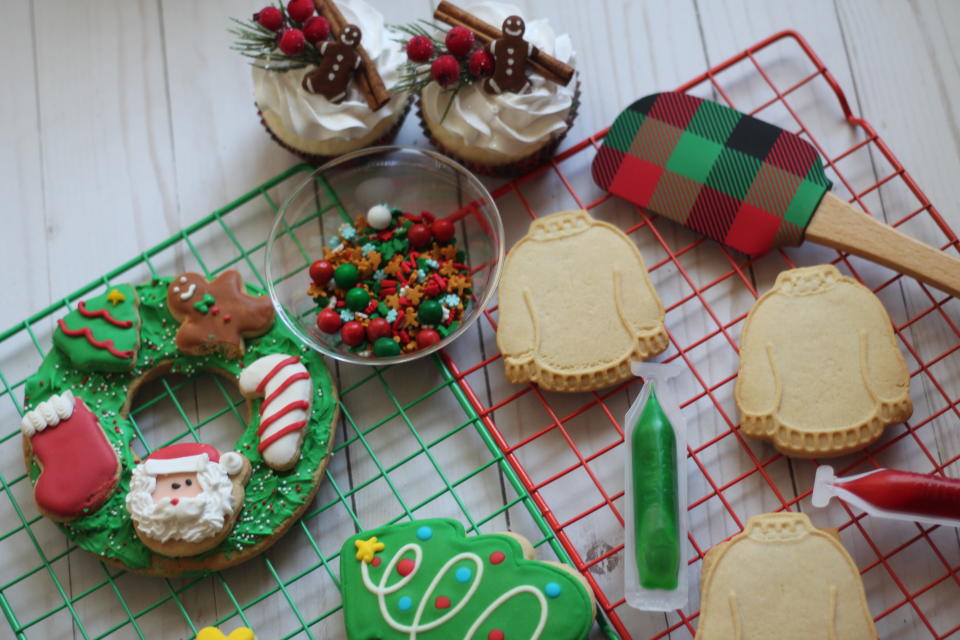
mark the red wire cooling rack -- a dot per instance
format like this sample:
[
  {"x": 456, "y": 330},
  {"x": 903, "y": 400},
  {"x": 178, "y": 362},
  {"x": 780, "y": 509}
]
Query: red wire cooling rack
[{"x": 911, "y": 572}]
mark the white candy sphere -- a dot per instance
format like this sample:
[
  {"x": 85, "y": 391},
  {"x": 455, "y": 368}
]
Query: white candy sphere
[{"x": 379, "y": 217}]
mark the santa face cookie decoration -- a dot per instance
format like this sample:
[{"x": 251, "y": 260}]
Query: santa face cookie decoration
[
  {"x": 185, "y": 497},
  {"x": 510, "y": 55},
  {"x": 341, "y": 59}
]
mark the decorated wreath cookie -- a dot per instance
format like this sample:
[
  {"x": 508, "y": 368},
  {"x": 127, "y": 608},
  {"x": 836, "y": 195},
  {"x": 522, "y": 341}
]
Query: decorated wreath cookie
[
  {"x": 427, "y": 580},
  {"x": 186, "y": 507}
]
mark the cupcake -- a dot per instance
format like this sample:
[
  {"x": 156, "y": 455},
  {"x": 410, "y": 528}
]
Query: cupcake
[
  {"x": 325, "y": 84},
  {"x": 487, "y": 99}
]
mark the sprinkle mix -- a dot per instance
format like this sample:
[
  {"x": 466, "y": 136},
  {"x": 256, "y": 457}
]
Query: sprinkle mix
[{"x": 391, "y": 282}]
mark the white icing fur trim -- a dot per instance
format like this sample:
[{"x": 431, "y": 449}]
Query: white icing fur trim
[
  {"x": 187, "y": 464},
  {"x": 232, "y": 462},
  {"x": 48, "y": 413},
  {"x": 284, "y": 452}
]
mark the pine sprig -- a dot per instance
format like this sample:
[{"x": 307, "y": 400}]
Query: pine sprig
[{"x": 261, "y": 45}]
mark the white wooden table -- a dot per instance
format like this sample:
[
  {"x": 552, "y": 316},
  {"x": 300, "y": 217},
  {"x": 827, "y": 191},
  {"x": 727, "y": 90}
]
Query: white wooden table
[{"x": 122, "y": 122}]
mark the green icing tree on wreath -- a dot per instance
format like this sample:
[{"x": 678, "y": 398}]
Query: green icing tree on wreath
[{"x": 102, "y": 333}]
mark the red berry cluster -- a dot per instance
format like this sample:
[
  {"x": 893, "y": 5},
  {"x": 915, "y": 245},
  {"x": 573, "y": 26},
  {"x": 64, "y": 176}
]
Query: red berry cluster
[
  {"x": 296, "y": 28},
  {"x": 446, "y": 67}
]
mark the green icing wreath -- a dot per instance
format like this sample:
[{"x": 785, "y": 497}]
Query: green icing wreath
[{"x": 273, "y": 500}]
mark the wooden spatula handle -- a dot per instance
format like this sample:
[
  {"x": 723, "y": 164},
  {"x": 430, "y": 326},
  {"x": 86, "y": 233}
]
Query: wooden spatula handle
[{"x": 838, "y": 224}]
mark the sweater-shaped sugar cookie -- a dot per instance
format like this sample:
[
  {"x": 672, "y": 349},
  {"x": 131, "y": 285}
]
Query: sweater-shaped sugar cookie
[
  {"x": 782, "y": 578},
  {"x": 576, "y": 305},
  {"x": 820, "y": 371}
]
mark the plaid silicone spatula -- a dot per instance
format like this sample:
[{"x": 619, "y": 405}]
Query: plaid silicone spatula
[{"x": 747, "y": 184}]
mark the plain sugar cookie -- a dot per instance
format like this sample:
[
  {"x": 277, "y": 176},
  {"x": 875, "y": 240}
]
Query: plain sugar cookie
[
  {"x": 576, "y": 305},
  {"x": 820, "y": 371},
  {"x": 782, "y": 578}
]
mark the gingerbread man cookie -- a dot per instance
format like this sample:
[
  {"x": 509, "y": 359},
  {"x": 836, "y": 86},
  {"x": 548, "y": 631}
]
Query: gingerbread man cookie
[
  {"x": 218, "y": 315},
  {"x": 510, "y": 55},
  {"x": 341, "y": 59}
]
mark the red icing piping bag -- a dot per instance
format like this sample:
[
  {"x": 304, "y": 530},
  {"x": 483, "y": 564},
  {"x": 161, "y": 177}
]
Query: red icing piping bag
[{"x": 887, "y": 493}]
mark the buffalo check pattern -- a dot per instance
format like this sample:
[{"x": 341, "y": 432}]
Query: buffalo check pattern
[{"x": 727, "y": 175}]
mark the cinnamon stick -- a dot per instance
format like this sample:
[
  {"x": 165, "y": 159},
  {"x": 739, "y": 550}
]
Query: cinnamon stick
[
  {"x": 544, "y": 64},
  {"x": 368, "y": 78}
]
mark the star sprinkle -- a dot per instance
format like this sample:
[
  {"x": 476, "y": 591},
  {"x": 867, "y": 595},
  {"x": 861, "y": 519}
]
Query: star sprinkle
[
  {"x": 367, "y": 549},
  {"x": 115, "y": 297}
]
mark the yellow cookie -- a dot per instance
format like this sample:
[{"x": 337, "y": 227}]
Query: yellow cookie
[
  {"x": 820, "y": 371},
  {"x": 576, "y": 305},
  {"x": 782, "y": 578},
  {"x": 212, "y": 633}
]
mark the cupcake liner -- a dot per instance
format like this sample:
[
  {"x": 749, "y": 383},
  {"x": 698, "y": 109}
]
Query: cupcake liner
[
  {"x": 318, "y": 160},
  {"x": 516, "y": 168}
]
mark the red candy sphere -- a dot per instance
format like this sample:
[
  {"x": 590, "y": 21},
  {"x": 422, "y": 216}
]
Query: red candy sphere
[
  {"x": 445, "y": 70},
  {"x": 442, "y": 230},
  {"x": 420, "y": 48},
  {"x": 300, "y": 10},
  {"x": 328, "y": 321},
  {"x": 316, "y": 29},
  {"x": 427, "y": 337},
  {"x": 496, "y": 634},
  {"x": 269, "y": 18},
  {"x": 419, "y": 235},
  {"x": 352, "y": 334},
  {"x": 480, "y": 64},
  {"x": 378, "y": 328},
  {"x": 321, "y": 271},
  {"x": 291, "y": 41},
  {"x": 459, "y": 41}
]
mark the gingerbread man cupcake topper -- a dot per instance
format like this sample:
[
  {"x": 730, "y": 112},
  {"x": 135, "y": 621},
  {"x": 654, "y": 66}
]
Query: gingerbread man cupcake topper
[
  {"x": 510, "y": 54},
  {"x": 331, "y": 79},
  {"x": 218, "y": 315}
]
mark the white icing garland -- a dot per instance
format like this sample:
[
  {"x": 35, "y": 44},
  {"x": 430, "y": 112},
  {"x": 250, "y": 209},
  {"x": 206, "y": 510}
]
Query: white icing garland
[
  {"x": 48, "y": 413},
  {"x": 381, "y": 590}
]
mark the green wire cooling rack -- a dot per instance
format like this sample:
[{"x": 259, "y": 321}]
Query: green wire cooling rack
[{"x": 394, "y": 458}]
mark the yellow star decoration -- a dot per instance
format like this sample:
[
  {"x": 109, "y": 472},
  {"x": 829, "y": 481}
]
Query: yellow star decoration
[
  {"x": 115, "y": 297},
  {"x": 366, "y": 549},
  {"x": 212, "y": 633}
]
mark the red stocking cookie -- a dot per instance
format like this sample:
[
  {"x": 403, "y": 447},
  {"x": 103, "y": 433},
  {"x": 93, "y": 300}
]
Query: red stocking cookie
[
  {"x": 184, "y": 498},
  {"x": 79, "y": 468},
  {"x": 287, "y": 390},
  {"x": 218, "y": 315}
]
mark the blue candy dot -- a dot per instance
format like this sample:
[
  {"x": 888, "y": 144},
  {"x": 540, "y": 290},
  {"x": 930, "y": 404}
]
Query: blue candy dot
[
  {"x": 405, "y": 603},
  {"x": 552, "y": 589},
  {"x": 463, "y": 574},
  {"x": 424, "y": 533}
]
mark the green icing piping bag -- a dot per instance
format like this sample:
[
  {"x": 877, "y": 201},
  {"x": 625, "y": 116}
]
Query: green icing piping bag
[
  {"x": 655, "y": 577},
  {"x": 656, "y": 508}
]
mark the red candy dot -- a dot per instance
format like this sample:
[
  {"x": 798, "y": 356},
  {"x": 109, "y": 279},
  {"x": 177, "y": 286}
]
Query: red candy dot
[
  {"x": 321, "y": 271},
  {"x": 378, "y": 328},
  {"x": 443, "y": 602},
  {"x": 418, "y": 235},
  {"x": 405, "y": 566},
  {"x": 427, "y": 337},
  {"x": 328, "y": 321},
  {"x": 497, "y": 557},
  {"x": 376, "y": 560},
  {"x": 352, "y": 333},
  {"x": 442, "y": 230},
  {"x": 496, "y": 634}
]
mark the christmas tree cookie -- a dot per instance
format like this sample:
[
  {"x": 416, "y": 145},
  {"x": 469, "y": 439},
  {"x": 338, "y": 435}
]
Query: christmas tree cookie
[
  {"x": 428, "y": 580},
  {"x": 102, "y": 333}
]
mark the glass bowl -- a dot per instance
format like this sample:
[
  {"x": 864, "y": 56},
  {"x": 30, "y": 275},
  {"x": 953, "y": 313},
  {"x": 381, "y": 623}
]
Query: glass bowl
[{"x": 406, "y": 178}]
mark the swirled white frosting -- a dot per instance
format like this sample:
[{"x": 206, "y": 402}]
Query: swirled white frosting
[
  {"x": 509, "y": 123},
  {"x": 312, "y": 116},
  {"x": 48, "y": 413}
]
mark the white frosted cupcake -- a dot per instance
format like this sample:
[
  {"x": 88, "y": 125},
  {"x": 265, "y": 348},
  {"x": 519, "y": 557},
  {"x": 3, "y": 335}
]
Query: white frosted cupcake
[
  {"x": 509, "y": 132},
  {"x": 308, "y": 123}
]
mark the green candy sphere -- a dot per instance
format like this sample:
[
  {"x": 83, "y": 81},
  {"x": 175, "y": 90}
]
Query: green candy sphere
[
  {"x": 357, "y": 298},
  {"x": 385, "y": 347},
  {"x": 430, "y": 312},
  {"x": 346, "y": 275}
]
